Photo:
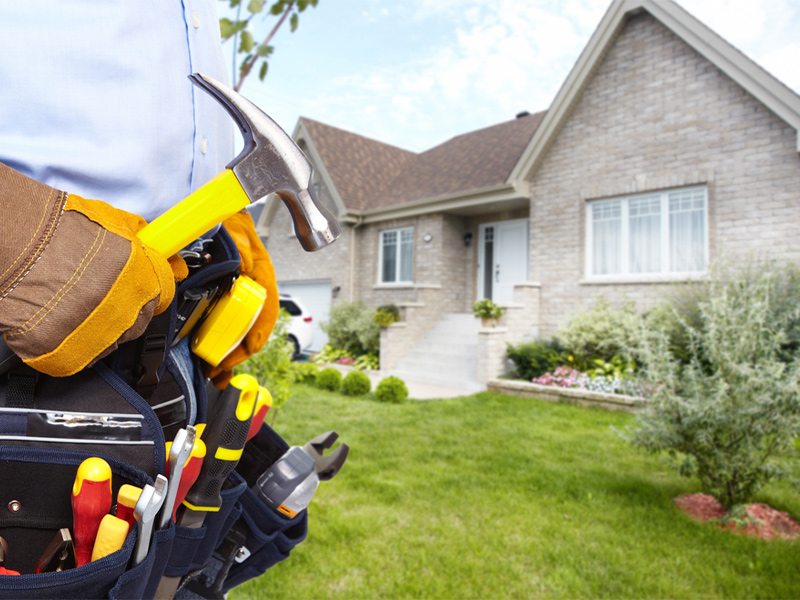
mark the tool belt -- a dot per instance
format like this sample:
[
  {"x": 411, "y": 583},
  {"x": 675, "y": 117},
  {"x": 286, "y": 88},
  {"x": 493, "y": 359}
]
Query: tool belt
[{"x": 123, "y": 409}]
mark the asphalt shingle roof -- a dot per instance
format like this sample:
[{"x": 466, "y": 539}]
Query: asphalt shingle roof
[{"x": 369, "y": 174}]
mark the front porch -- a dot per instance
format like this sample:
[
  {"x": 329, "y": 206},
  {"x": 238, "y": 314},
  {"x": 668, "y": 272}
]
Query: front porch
[{"x": 431, "y": 345}]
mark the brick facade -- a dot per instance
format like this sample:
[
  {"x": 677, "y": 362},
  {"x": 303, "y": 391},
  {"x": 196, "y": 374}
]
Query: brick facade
[{"x": 658, "y": 115}]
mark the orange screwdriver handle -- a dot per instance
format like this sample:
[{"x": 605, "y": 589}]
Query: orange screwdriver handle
[{"x": 91, "y": 501}]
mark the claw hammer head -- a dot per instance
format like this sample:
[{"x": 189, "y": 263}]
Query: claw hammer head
[{"x": 272, "y": 163}]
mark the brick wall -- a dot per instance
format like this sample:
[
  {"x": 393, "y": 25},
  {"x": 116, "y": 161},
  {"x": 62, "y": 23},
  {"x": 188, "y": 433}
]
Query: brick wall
[{"x": 658, "y": 115}]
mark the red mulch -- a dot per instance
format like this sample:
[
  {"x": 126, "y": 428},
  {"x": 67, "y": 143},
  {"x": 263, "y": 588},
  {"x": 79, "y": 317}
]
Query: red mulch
[{"x": 763, "y": 521}]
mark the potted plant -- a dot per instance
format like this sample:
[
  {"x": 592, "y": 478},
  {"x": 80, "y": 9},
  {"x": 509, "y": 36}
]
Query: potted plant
[{"x": 487, "y": 311}]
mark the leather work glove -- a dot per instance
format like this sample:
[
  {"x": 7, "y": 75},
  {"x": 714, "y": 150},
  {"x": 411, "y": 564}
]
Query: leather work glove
[
  {"x": 74, "y": 279},
  {"x": 256, "y": 264}
]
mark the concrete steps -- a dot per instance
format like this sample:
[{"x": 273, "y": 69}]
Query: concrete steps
[{"x": 447, "y": 356}]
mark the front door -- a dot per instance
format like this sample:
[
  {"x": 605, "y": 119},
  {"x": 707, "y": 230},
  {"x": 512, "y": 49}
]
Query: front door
[{"x": 502, "y": 258}]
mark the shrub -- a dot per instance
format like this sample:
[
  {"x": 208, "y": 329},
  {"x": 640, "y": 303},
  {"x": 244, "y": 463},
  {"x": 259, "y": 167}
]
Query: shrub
[
  {"x": 600, "y": 332},
  {"x": 486, "y": 309},
  {"x": 386, "y": 315},
  {"x": 329, "y": 379},
  {"x": 534, "y": 358},
  {"x": 305, "y": 372},
  {"x": 273, "y": 366},
  {"x": 356, "y": 383},
  {"x": 351, "y": 327},
  {"x": 730, "y": 415},
  {"x": 392, "y": 390}
]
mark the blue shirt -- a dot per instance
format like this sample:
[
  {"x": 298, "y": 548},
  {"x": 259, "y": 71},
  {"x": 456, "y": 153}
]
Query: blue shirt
[{"x": 95, "y": 98}]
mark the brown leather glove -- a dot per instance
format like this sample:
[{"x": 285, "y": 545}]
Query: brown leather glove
[
  {"x": 74, "y": 280},
  {"x": 256, "y": 264}
]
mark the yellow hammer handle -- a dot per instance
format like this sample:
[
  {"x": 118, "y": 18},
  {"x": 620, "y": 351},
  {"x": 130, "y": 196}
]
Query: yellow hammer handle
[{"x": 196, "y": 214}]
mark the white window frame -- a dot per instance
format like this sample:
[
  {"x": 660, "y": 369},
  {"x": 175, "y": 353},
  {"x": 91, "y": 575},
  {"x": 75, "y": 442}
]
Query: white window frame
[
  {"x": 665, "y": 273},
  {"x": 398, "y": 267}
]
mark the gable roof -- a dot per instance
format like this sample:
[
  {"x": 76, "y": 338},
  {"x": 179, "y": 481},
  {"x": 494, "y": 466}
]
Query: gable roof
[
  {"x": 772, "y": 93},
  {"x": 372, "y": 175}
]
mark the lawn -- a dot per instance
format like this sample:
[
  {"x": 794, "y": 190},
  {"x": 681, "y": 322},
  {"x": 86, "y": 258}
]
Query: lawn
[{"x": 493, "y": 496}]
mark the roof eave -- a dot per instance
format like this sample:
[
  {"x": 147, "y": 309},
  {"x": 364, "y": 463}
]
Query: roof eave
[{"x": 459, "y": 201}]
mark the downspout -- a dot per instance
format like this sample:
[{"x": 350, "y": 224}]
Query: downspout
[{"x": 356, "y": 225}]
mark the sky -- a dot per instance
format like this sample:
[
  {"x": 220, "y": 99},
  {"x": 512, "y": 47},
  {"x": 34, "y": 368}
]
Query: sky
[{"x": 415, "y": 73}]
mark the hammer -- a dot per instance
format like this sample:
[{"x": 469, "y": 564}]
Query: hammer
[{"x": 269, "y": 163}]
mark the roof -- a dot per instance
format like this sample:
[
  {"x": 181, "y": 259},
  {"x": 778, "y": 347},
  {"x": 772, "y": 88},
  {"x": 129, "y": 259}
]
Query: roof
[{"x": 369, "y": 174}]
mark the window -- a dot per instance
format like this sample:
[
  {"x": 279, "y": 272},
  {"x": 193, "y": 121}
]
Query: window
[
  {"x": 397, "y": 255},
  {"x": 650, "y": 234}
]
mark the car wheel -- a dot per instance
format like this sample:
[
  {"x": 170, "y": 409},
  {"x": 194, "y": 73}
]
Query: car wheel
[{"x": 295, "y": 347}]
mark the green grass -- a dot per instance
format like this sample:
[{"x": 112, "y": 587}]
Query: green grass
[{"x": 493, "y": 496}]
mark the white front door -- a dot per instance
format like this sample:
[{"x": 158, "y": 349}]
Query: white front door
[{"x": 503, "y": 259}]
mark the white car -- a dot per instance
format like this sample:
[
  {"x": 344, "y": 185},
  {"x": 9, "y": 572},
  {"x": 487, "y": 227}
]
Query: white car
[{"x": 300, "y": 331}]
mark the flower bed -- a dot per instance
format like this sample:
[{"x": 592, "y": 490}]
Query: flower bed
[{"x": 569, "y": 395}]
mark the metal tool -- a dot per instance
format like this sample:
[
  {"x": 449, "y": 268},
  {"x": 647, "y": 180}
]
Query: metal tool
[
  {"x": 269, "y": 163},
  {"x": 59, "y": 554},
  {"x": 110, "y": 536},
  {"x": 91, "y": 501},
  {"x": 327, "y": 466},
  {"x": 280, "y": 481},
  {"x": 191, "y": 470},
  {"x": 150, "y": 501},
  {"x": 179, "y": 453},
  {"x": 3, "y": 558}
]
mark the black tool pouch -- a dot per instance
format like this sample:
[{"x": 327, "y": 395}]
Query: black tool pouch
[{"x": 122, "y": 409}]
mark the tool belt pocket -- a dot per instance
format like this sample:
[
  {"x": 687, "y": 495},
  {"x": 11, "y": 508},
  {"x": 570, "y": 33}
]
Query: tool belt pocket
[
  {"x": 269, "y": 539},
  {"x": 36, "y": 486}
]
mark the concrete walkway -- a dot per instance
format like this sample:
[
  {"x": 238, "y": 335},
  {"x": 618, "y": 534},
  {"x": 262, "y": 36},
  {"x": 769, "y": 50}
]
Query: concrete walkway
[{"x": 416, "y": 390}]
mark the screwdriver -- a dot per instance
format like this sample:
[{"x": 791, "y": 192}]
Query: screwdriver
[
  {"x": 110, "y": 536},
  {"x": 127, "y": 497},
  {"x": 263, "y": 405},
  {"x": 91, "y": 500},
  {"x": 225, "y": 436}
]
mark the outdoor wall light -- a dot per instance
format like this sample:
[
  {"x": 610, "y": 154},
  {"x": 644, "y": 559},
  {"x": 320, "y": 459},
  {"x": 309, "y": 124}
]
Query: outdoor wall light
[{"x": 468, "y": 238}]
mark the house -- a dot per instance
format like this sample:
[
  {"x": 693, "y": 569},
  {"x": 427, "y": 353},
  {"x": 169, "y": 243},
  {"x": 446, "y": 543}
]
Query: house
[{"x": 664, "y": 149}]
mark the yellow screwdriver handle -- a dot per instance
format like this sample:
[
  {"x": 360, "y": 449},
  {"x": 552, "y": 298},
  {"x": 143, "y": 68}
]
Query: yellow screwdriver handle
[{"x": 196, "y": 214}]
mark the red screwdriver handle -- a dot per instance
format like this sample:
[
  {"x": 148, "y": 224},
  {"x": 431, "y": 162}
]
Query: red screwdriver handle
[{"x": 91, "y": 501}]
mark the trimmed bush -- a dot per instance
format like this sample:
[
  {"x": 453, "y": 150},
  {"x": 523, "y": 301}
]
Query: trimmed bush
[
  {"x": 329, "y": 379},
  {"x": 392, "y": 390},
  {"x": 356, "y": 383}
]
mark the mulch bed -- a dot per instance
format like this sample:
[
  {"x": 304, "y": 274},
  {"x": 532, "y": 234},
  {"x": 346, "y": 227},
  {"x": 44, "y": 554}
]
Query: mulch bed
[{"x": 761, "y": 521}]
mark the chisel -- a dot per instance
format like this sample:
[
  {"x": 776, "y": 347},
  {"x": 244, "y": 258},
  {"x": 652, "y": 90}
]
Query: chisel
[{"x": 91, "y": 501}]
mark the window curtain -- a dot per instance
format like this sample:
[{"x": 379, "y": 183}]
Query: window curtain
[
  {"x": 687, "y": 230},
  {"x": 607, "y": 238},
  {"x": 644, "y": 222}
]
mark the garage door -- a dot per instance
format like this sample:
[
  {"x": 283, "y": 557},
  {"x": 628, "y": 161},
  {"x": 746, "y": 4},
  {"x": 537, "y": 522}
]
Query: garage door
[{"x": 316, "y": 297}]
